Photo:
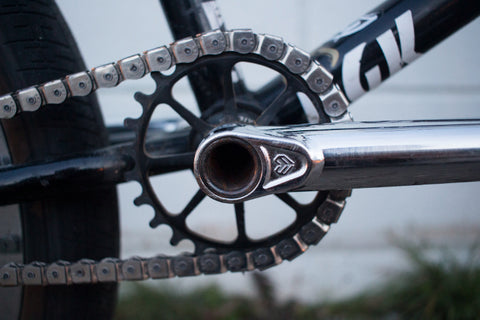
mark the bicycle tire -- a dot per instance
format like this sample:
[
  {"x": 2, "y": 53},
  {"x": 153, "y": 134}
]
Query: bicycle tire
[{"x": 37, "y": 46}]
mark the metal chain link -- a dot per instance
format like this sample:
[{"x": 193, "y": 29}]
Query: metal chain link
[
  {"x": 160, "y": 267},
  {"x": 188, "y": 50}
]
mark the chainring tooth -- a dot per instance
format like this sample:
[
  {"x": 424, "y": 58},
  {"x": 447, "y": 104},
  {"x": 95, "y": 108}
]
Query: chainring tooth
[
  {"x": 130, "y": 176},
  {"x": 141, "y": 98},
  {"x": 141, "y": 200},
  {"x": 156, "y": 221},
  {"x": 262, "y": 253},
  {"x": 176, "y": 237},
  {"x": 131, "y": 124}
]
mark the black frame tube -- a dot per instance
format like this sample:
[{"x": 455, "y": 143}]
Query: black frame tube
[
  {"x": 433, "y": 21},
  {"x": 55, "y": 178},
  {"x": 188, "y": 18}
]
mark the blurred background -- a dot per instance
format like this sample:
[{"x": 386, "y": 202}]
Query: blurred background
[{"x": 358, "y": 252}]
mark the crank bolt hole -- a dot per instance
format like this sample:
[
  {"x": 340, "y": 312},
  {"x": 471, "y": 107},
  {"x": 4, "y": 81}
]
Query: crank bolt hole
[{"x": 231, "y": 169}]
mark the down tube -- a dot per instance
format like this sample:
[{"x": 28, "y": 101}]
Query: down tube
[{"x": 390, "y": 37}]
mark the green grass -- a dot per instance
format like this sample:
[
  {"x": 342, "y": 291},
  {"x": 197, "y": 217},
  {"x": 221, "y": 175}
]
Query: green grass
[
  {"x": 145, "y": 302},
  {"x": 442, "y": 288}
]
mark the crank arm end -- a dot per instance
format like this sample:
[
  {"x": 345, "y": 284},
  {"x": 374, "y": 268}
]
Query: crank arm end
[{"x": 240, "y": 163}]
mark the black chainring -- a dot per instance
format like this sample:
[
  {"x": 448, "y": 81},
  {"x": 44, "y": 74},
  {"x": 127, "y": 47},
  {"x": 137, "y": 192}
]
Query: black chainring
[{"x": 233, "y": 108}]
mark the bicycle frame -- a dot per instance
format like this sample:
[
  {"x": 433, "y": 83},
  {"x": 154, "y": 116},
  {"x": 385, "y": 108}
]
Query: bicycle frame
[{"x": 361, "y": 57}]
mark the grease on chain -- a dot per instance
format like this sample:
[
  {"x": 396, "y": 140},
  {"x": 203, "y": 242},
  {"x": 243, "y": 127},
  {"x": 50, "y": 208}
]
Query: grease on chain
[{"x": 188, "y": 50}]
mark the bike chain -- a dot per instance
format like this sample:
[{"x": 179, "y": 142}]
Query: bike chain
[{"x": 188, "y": 50}]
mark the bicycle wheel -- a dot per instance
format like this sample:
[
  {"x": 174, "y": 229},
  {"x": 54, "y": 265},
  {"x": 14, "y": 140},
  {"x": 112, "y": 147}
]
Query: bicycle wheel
[{"x": 36, "y": 46}]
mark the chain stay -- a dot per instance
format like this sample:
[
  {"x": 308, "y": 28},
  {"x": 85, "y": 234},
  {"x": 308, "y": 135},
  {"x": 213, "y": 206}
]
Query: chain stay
[{"x": 188, "y": 50}]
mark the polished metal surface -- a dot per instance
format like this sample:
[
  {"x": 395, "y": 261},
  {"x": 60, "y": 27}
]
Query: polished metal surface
[
  {"x": 158, "y": 59},
  {"x": 213, "y": 42},
  {"x": 244, "y": 162},
  {"x": 395, "y": 154},
  {"x": 270, "y": 47},
  {"x": 185, "y": 51},
  {"x": 318, "y": 79},
  {"x": 339, "y": 156},
  {"x": 30, "y": 99},
  {"x": 334, "y": 103},
  {"x": 106, "y": 76},
  {"x": 54, "y": 92},
  {"x": 132, "y": 67},
  {"x": 242, "y": 41},
  {"x": 296, "y": 60},
  {"x": 80, "y": 84},
  {"x": 8, "y": 108}
]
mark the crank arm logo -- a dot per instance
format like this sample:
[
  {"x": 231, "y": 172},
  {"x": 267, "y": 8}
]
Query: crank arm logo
[{"x": 283, "y": 164}]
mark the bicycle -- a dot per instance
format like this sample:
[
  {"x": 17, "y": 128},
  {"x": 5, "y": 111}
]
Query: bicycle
[{"x": 111, "y": 160}]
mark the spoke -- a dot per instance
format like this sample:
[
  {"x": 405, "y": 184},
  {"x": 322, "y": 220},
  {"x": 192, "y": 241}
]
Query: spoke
[
  {"x": 272, "y": 110},
  {"x": 229, "y": 93},
  {"x": 288, "y": 199},
  {"x": 170, "y": 163},
  {"x": 194, "y": 202},
  {"x": 240, "y": 218},
  {"x": 197, "y": 124}
]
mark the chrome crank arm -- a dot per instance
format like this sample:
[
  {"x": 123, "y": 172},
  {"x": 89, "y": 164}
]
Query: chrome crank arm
[{"x": 239, "y": 163}]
